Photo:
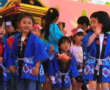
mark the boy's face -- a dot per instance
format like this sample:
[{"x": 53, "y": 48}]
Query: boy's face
[
  {"x": 83, "y": 26},
  {"x": 2, "y": 30},
  {"x": 9, "y": 29},
  {"x": 36, "y": 32}
]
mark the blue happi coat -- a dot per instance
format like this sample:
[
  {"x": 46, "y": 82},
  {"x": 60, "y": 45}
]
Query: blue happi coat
[
  {"x": 90, "y": 69},
  {"x": 6, "y": 62},
  {"x": 54, "y": 70},
  {"x": 32, "y": 52}
]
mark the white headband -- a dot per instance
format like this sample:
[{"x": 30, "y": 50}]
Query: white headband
[
  {"x": 75, "y": 31},
  {"x": 8, "y": 23}
]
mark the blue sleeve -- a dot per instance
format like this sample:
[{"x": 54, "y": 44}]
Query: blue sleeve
[
  {"x": 13, "y": 54},
  {"x": 74, "y": 71},
  {"x": 47, "y": 47},
  {"x": 39, "y": 53},
  {"x": 8, "y": 61},
  {"x": 84, "y": 43},
  {"x": 54, "y": 32},
  {"x": 51, "y": 67}
]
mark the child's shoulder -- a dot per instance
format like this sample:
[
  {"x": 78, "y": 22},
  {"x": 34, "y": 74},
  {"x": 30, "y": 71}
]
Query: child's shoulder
[
  {"x": 53, "y": 25},
  {"x": 33, "y": 35}
]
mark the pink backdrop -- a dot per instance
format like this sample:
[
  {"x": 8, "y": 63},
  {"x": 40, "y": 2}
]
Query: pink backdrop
[{"x": 71, "y": 10}]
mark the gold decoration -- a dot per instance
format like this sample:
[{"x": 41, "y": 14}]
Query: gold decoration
[{"x": 51, "y": 11}]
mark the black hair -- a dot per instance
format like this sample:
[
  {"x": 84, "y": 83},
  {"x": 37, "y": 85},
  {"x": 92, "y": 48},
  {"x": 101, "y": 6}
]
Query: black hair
[
  {"x": 26, "y": 14},
  {"x": 2, "y": 21},
  {"x": 78, "y": 34},
  {"x": 102, "y": 18},
  {"x": 62, "y": 40},
  {"x": 7, "y": 18},
  {"x": 83, "y": 19},
  {"x": 43, "y": 17},
  {"x": 51, "y": 15},
  {"x": 15, "y": 20}
]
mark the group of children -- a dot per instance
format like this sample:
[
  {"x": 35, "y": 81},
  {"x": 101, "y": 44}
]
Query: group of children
[{"x": 30, "y": 58}]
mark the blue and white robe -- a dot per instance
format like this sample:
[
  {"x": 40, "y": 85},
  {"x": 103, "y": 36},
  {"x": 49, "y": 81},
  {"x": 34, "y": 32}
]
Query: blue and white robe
[
  {"x": 7, "y": 62},
  {"x": 90, "y": 69},
  {"x": 54, "y": 70},
  {"x": 32, "y": 52}
]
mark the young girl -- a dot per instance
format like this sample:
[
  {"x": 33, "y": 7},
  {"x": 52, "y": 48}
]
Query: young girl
[
  {"x": 77, "y": 52},
  {"x": 27, "y": 52},
  {"x": 97, "y": 46},
  {"x": 62, "y": 68},
  {"x": 52, "y": 33},
  {"x": 5, "y": 60}
]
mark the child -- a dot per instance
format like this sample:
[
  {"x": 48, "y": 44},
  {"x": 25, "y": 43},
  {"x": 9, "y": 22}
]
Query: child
[
  {"x": 10, "y": 39},
  {"x": 27, "y": 51},
  {"x": 37, "y": 31},
  {"x": 62, "y": 68},
  {"x": 83, "y": 22},
  {"x": 52, "y": 32},
  {"x": 77, "y": 52},
  {"x": 9, "y": 27},
  {"x": 5, "y": 60},
  {"x": 96, "y": 45}
]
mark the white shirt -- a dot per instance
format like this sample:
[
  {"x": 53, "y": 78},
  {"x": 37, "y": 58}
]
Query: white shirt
[
  {"x": 22, "y": 41},
  {"x": 101, "y": 38}
]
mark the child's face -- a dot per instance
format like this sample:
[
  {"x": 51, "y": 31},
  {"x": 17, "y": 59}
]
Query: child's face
[
  {"x": 26, "y": 24},
  {"x": 2, "y": 30},
  {"x": 36, "y": 32},
  {"x": 43, "y": 23},
  {"x": 9, "y": 29},
  {"x": 77, "y": 39},
  {"x": 65, "y": 46},
  {"x": 83, "y": 26},
  {"x": 94, "y": 23}
]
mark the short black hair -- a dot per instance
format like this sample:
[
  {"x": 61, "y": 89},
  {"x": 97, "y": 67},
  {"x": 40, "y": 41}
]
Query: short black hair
[
  {"x": 2, "y": 21},
  {"x": 43, "y": 17},
  {"x": 62, "y": 40},
  {"x": 102, "y": 18},
  {"x": 26, "y": 14},
  {"x": 7, "y": 18},
  {"x": 15, "y": 20},
  {"x": 83, "y": 19}
]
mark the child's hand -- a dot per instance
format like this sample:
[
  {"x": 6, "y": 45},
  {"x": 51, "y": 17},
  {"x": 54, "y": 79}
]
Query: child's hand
[
  {"x": 73, "y": 80},
  {"x": 1, "y": 58},
  {"x": 51, "y": 49},
  {"x": 35, "y": 71},
  {"x": 12, "y": 69},
  {"x": 98, "y": 29},
  {"x": 52, "y": 79}
]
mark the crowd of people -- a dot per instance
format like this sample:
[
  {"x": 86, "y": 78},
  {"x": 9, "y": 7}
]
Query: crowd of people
[{"x": 34, "y": 57}]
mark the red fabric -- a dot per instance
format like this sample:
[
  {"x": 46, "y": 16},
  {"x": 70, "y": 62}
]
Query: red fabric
[
  {"x": 10, "y": 41},
  {"x": 75, "y": 31}
]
